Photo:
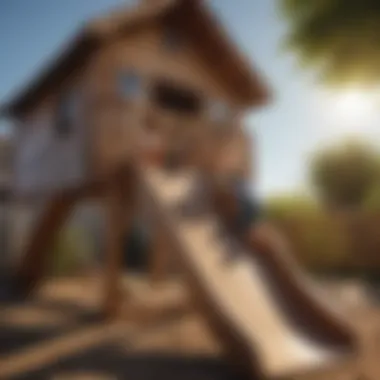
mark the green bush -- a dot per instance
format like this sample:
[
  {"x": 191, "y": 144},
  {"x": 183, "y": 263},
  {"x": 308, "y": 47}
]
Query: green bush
[
  {"x": 343, "y": 174},
  {"x": 71, "y": 252},
  {"x": 371, "y": 203},
  {"x": 290, "y": 206},
  {"x": 319, "y": 242}
]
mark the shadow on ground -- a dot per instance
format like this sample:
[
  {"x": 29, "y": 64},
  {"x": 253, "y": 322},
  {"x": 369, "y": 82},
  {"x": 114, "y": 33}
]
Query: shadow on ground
[
  {"x": 16, "y": 335},
  {"x": 112, "y": 363}
]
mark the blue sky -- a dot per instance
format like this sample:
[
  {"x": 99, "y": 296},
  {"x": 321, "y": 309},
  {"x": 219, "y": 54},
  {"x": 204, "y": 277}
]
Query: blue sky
[{"x": 301, "y": 118}]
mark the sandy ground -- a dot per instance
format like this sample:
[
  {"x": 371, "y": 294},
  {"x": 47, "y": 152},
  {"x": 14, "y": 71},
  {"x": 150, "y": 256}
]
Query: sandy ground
[{"x": 58, "y": 335}]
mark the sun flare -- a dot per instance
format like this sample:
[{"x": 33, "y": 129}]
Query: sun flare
[{"x": 353, "y": 109}]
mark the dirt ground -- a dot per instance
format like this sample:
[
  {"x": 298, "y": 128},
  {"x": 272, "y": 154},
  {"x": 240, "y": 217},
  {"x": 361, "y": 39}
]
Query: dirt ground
[{"x": 58, "y": 335}]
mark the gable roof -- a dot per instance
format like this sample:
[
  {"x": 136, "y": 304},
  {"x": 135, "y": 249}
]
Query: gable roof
[{"x": 191, "y": 15}]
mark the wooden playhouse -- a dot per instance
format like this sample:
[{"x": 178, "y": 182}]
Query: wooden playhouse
[{"x": 164, "y": 68}]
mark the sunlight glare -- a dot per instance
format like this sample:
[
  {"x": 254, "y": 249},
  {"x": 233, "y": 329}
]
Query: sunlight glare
[{"x": 353, "y": 110}]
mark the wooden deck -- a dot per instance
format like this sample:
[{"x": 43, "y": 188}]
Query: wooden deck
[{"x": 57, "y": 335}]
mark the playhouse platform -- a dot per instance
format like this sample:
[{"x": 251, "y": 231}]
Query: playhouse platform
[{"x": 57, "y": 335}]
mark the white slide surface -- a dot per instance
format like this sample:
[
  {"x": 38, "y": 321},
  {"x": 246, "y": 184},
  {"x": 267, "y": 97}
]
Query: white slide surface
[{"x": 243, "y": 297}]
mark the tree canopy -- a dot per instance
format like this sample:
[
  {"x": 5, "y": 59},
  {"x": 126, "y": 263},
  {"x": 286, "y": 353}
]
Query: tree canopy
[
  {"x": 345, "y": 175},
  {"x": 338, "y": 38}
]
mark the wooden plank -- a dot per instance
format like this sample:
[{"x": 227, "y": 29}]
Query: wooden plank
[
  {"x": 159, "y": 256},
  {"x": 50, "y": 352},
  {"x": 120, "y": 214}
]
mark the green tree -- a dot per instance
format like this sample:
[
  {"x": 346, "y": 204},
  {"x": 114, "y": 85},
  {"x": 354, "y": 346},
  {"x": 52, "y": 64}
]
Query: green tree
[
  {"x": 339, "y": 38},
  {"x": 344, "y": 175},
  {"x": 371, "y": 203}
]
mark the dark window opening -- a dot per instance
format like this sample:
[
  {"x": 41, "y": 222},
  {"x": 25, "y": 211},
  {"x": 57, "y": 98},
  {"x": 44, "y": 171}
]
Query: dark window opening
[{"x": 173, "y": 98}]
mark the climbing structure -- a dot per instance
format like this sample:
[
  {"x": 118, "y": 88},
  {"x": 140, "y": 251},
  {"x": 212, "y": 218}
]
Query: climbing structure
[{"x": 161, "y": 85}]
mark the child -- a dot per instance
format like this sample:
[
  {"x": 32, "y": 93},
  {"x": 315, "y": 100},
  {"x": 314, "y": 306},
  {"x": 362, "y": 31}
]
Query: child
[
  {"x": 238, "y": 207},
  {"x": 248, "y": 209}
]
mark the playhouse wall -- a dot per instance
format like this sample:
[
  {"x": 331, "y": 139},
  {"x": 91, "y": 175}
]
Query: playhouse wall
[
  {"x": 46, "y": 162},
  {"x": 117, "y": 121}
]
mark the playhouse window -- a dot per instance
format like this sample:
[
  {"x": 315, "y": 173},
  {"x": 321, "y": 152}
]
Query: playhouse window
[
  {"x": 130, "y": 84},
  {"x": 173, "y": 98}
]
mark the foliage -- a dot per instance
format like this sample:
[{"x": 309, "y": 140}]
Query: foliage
[
  {"x": 340, "y": 243},
  {"x": 371, "y": 203},
  {"x": 339, "y": 38},
  {"x": 71, "y": 251},
  {"x": 344, "y": 175},
  {"x": 290, "y": 206},
  {"x": 318, "y": 241}
]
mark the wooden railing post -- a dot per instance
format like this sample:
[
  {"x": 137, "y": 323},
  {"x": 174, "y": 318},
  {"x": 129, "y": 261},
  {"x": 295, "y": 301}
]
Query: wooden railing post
[
  {"x": 159, "y": 256},
  {"x": 48, "y": 225},
  {"x": 120, "y": 213},
  {"x": 114, "y": 248}
]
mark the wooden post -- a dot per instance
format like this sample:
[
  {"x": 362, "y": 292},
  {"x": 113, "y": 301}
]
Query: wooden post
[
  {"x": 45, "y": 231},
  {"x": 159, "y": 256},
  {"x": 114, "y": 251}
]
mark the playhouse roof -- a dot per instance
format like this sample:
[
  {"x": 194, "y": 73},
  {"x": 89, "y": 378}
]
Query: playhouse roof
[{"x": 192, "y": 15}]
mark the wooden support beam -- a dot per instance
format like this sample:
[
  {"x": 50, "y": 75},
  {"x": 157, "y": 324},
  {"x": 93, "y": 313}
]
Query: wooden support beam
[
  {"x": 159, "y": 256},
  {"x": 45, "y": 231},
  {"x": 120, "y": 215},
  {"x": 114, "y": 249}
]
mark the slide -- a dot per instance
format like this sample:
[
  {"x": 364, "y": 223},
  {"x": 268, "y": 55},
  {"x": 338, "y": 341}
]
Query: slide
[{"x": 267, "y": 314}]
